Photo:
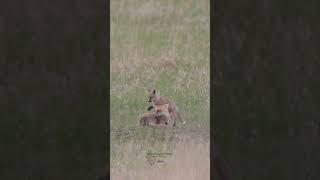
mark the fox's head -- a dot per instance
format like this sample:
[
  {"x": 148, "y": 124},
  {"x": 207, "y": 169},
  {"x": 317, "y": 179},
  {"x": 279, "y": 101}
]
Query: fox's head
[
  {"x": 153, "y": 95},
  {"x": 161, "y": 108}
]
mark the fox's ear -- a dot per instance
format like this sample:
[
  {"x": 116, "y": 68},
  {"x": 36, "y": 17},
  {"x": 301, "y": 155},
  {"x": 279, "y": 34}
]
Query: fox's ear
[
  {"x": 149, "y": 90},
  {"x": 154, "y": 91}
]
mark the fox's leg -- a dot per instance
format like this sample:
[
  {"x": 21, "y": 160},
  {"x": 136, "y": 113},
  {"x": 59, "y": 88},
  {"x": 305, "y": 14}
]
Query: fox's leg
[
  {"x": 173, "y": 118},
  {"x": 149, "y": 108},
  {"x": 143, "y": 121}
]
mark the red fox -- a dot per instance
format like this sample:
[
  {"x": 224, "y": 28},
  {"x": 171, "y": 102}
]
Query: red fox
[
  {"x": 162, "y": 113},
  {"x": 160, "y": 116},
  {"x": 156, "y": 100},
  {"x": 148, "y": 118}
]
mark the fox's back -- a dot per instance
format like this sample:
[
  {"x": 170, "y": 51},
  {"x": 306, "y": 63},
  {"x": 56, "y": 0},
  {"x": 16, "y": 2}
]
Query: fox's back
[{"x": 163, "y": 100}]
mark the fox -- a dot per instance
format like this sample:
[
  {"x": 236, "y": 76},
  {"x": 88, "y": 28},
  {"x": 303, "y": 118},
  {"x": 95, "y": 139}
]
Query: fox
[
  {"x": 160, "y": 116},
  {"x": 162, "y": 113},
  {"x": 155, "y": 99},
  {"x": 147, "y": 119}
]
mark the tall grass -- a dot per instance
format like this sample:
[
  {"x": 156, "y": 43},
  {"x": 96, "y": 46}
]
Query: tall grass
[{"x": 165, "y": 45}]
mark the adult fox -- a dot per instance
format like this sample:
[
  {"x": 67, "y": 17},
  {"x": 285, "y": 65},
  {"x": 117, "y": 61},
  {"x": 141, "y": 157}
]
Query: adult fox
[{"x": 156, "y": 100}]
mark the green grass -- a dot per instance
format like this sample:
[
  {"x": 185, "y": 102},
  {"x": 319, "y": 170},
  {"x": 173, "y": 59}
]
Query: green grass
[
  {"x": 165, "y": 45},
  {"x": 140, "y": 43}
]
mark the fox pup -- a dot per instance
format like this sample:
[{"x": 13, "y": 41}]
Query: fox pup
[
  {"x": 155, "y": 99},
  {"x": 147, "y": 119},
  {"x": 162, "y": 113},
  {"x": 160, "y": 116}
]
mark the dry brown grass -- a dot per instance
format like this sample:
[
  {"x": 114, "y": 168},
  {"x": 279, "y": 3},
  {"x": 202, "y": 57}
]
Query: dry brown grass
[{"x": 189, "y": 161}]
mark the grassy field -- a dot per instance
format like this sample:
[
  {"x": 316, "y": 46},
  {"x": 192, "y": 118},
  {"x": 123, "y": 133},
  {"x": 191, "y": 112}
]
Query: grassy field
[{"x": 161, "y": 44}]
